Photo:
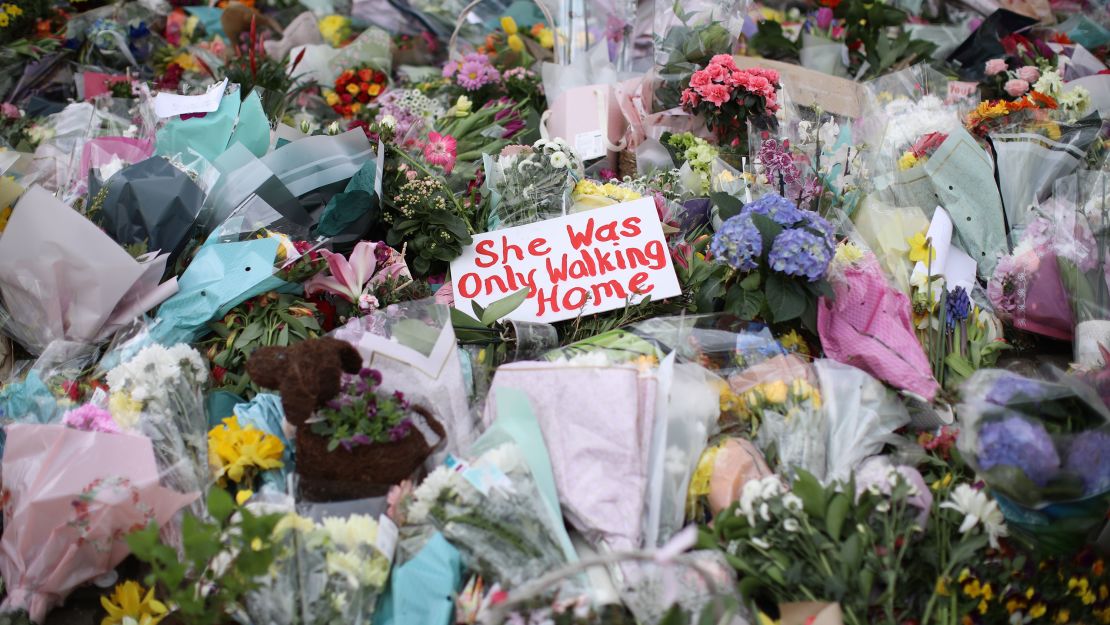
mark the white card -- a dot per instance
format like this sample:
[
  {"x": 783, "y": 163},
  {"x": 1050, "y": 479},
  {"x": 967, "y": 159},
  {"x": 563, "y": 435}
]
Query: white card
[{"x": 172, "y": 105}]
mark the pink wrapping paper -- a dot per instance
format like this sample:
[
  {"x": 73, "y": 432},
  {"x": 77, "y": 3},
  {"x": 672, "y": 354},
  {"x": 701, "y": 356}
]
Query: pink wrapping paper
[
  {"x": 737, "y": 463},
  {"x": 869, "y": 327},
  {"x": 597, "y": 424},
  {"x": 633, "y": 97},
  {"x": 97, "y": 83},
  {"x": 69, "y": 499},
  {"x": 99, "y": 152}
]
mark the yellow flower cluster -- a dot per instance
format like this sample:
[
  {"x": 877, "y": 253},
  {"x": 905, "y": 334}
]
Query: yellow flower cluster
[
  {"x": 588, "y": 188},
  {"x": 237, "y": 453},
  {"x": 1081, "y": 588},
  {"x": 908, "y": 160},
  {"x": 848, "y": 253},
  {"x": 921, "y": 250},
  {"x": 125, "y": 410},
  {"x": 335, "y": 29},
  {"x": 778, "y": 393},
  {"x": 132, "y": 604},
  {"x": 7, "y": 12}
]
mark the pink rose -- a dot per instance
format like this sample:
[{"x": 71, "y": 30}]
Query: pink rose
[
  {"x": 717, "y": 94},
  {"x": 1029, "y": 74},
  {"x": 995, "y": 66},
  {"x": 9, "y": 110},
  {"x": 1016, "y": 87}
]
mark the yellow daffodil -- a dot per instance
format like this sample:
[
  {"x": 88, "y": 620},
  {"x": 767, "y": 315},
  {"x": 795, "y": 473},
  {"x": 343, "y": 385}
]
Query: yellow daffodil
[
  {"x": 516, "y": 44},
  {"x": 335, "y": 29},
  {"x": 131, "y": 603},
  {"x": 921, "y": 251},
  {"x": 236, "y": 453}
]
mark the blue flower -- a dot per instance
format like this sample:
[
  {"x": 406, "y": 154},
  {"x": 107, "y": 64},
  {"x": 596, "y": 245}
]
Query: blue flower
[
  {"x": 1015, "y": 442},
  {"x": 1013, "y": 387},
  {"x": 799, "y": 252},
  {"x": 781, "y": 210},
  {"x": 1089, "y": 457},
  {"x": 738, "y": 243},
  {"x": 957, "y": 306}
]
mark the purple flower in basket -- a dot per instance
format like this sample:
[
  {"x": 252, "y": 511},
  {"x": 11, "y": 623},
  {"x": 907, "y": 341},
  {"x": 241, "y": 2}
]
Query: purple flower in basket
[
  {"x": 401, "y": 430},
  {"x": 1089, "y": 457},
  {"x": 781, "y": 210},
  {"x": 738, "y": 243},
  {"x": 799, "y": 252},
  {"x": 1011, "y": 388},
  {"x": 1016, "y": 442}
]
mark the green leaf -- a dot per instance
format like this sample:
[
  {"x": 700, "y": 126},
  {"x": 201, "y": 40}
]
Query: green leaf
[
  {"x": 461, "y": 320},
  {"x": 785, "y": 298},
  {"x": 142, "y": 542},
  {"x": 810, "y": 491},
  {"x": 250, "y": 334},
  {"x": 727, "y": 205},
  {"x": 220, "y": 504},
  {"x": 504, "y": 306},
  {"x": 201, "y": 541},
  {"x": 838, "y": 511},
  {"x": 751, "y": 282}
]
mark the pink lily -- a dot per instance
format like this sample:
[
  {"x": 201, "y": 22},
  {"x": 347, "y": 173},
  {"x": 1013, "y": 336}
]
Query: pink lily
[{"x": 347, "y": 276}]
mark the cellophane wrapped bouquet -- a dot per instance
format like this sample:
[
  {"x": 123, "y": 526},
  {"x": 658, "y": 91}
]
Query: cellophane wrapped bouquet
[{"x": 532, "y": 182}]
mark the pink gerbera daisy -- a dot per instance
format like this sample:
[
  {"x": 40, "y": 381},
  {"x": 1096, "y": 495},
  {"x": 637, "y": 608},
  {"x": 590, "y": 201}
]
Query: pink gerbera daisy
[{"x": 440, "y": 150}]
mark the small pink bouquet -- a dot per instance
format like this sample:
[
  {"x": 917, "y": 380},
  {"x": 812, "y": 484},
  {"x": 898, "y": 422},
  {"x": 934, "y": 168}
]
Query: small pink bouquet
[{"x": 728, "y": 96}]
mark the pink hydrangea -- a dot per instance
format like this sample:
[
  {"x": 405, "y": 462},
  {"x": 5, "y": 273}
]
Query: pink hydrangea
[
  {"x": 1016, "y": 87},
  {"x": 1029, "y": 74},
  {"x": 995, "y": 67}
]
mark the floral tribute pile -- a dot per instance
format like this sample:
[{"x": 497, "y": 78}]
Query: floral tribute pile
[{"x": 744, "y": 312}]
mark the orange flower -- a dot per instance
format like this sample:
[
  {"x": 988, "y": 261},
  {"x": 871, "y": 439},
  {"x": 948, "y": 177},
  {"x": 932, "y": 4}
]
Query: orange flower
[
  {"x": 374, "y": 90},
  {"x": 365, "y": 75},
  {"x": 537, "y": 29},
  {"x": 348, "y": 74},
  {"x": 1045, "y": 101}
]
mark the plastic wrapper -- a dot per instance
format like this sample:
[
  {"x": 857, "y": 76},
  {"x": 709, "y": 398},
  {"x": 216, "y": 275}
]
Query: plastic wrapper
[
  {"x": 151, "y": 203},
  {"x": 421, "y": 589},
  {"x": 159, "y": 393},
  {"x": 686, "y": 36},
  {"x": 598, "y": 423},
  {"x": 58, "y": 159},
  {"x": 530, "y": 184},
  {"x": 1082, "y": 238},
  {"x": 868, "y": 324},
  {"x": 984, "y": 44},
  {"x": 264, "y": 412},
  {"x": 1032, "y": 151},
  {"x": 886, "y": 230},
  {"x": 62, "y": 277},
  {"x": 105, "y": 156},
  {"x": 201, "y": 139},
  {"x": 413, "y": 345},
  {"x": 1040, "y": 445},
  {"x": 341, "y": 569},
  {"x": 491, "y": 508},
  {"x": 70, "y": 497}
]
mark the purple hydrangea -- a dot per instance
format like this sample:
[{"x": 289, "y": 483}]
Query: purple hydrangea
[
  {"x": 1015, "y": 442},
  {"x": 957, "y": 307},
  {"x": 820, "y": 225},
  {"x": 1012, "y": 387},
  {"x": 781, "y": 210},
  {"x": 1089, "y": 457},
  {"x": 799, "y": 252},
  {"x": 738, "y": 243}
]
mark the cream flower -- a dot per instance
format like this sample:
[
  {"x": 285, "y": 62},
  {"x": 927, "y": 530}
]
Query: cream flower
[{"x": 977, "y": 508}]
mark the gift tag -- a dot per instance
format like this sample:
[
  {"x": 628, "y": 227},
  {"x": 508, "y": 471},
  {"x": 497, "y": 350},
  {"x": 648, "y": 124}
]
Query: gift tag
[
  {"x": 387, "y": 537},
  {"x": 486, "y": 477},
  {"x": 589, "y": 145},
  {"x": 172, "y": 105}
]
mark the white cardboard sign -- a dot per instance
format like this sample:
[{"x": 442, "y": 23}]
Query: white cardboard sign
[{"x": 579, "y": 264}]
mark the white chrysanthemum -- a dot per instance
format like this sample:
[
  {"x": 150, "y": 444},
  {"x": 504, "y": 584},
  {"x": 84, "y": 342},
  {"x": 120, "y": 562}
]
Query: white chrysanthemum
[
  {"x": 425, "y": 495},
  {"x": 1050, "y": 83},
  {"x": 351, "y": 532},
  {"x": 558, "y": 160},
  {"x": 977, "y": 508}
]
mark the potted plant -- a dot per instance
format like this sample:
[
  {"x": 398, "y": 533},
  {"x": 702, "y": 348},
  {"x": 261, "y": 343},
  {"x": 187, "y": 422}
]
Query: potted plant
[{"x": 353, "y": 440}]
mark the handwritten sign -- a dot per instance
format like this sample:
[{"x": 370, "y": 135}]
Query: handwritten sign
[{"x": 580, "y": 264}]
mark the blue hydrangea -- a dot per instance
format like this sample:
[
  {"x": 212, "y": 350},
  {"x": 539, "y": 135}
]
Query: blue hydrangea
[
  {"x": 799, "y": 252},
  {"x": 1011, "y": 387},
  {"x": 820, "y": 225},
  {"x": 1016, "y": 442},
  {"x": 738, "y": 243},
  {"x": 1089, "y": 457},
  {"x": 781, "y": 210}
]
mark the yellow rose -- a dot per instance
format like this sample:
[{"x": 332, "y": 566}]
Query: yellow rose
[
  {"x": 331, "y": 97},
  {"x": 774, "y": 392},
  {"x": 352, "y": 89}
]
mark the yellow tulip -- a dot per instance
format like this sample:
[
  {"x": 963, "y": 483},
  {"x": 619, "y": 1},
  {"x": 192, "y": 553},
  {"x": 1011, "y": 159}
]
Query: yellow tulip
[
  {"x": 130, "y": 602},
  {"x": 508, "y": 24},
  {"x": 515, "y": 43}
]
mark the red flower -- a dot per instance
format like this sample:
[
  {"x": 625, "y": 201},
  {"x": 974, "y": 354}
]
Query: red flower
[
  {"x": 218, "y": 374},
  {"x": 365, "y": 75},
  {"x": 832, "y": 4},
  {"x": 72, "y": 389}
]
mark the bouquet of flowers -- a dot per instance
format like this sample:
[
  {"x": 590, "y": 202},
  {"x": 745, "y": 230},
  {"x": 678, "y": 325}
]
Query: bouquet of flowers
[
  {"x": 1040, "y": 446},
  {"x": 491, "y": 509},
  {"x": 779, "y": 255},
  {"x": 371, "y": 277},
  {"x": 531, "y": 183},
  {"x": 241, "y": 454},
  {"x": 728, "y": 97},
  {"x": 355, "y": 89},
  {"x": 1084, "y": 234}
]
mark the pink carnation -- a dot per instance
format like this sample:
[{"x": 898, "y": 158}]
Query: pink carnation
[
  {"x": 1029, "y": 74},
  {"x": 90, "y": 418},
  {"x": 717, "y": 94},
  {"x": 1016, "y": 87},
  {"x": 995, "y": 66},
  {"x": 700, "y": 79},
  {"x": 724, "y": 59}
]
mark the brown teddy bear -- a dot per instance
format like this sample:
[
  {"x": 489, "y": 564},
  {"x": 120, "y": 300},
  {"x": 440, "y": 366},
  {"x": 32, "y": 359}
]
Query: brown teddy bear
[{"x": 306, "y": 374}]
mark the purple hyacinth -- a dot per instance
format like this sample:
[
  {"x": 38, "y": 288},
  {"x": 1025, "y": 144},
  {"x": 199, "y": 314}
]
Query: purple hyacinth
[
  {"x": 1089, "y": 457},
  {"x": 799, "y": 252},
  {"x": 781, "y": 210},
  {"x": 1011, "y": 388},
  {"x": 957, "y": 306},
  {"x": 738, "y": 243},
  {"x": 1015, "y": 442}
]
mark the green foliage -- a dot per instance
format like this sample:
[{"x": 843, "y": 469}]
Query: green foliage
[
  {"x": 197, "y": 590},
  {"x": 433, "y": 240},
  {"x": 771, "y": 42}
]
